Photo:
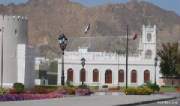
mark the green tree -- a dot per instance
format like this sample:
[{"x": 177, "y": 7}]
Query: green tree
[
  {"x": 53, "y": 66},
  {"x": 169, "y": 64}
]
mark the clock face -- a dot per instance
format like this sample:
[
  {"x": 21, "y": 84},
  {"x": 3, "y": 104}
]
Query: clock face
[{"x": 149, "y": 37}]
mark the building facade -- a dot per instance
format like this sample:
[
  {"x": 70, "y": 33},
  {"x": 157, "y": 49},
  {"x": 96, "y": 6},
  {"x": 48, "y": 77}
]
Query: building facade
[
  {"x": 103, "y": 68},
  {"x": 17, "y": 57}
]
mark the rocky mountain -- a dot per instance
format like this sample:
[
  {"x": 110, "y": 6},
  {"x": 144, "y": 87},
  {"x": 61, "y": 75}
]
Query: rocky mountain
[{"x": 49, "y": 18}]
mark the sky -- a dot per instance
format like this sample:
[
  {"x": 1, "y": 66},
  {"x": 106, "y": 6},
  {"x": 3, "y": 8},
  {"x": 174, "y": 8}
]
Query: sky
[{"x": 172, "y": 5}]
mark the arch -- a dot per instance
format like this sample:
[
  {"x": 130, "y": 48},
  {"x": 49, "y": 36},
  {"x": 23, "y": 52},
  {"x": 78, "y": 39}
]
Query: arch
[
  {"x": 121, "y": 76},
  {"x": 146, "y": 76},
  {"x": 133, "y": 76},
  {"x": 70, "y": 74},
  {"x": 108, "y": 76},
  {"x": 148, "y": 54},
  {"x": 83, "y": 75},
  {"x": 95, "y": 75}
]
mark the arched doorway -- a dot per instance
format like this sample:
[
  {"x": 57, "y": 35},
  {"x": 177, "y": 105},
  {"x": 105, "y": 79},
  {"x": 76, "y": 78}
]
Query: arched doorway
[
  {"x": 121, "y": 76},
  {"x": 146, "y": 76},
  {"x": 108, "y": 76},
  {"x": 133, "y": 76},
  {"x": 95, "y": 75},
  {"x": 83, "y": 75},
  {"x": 70, "y": 74}
]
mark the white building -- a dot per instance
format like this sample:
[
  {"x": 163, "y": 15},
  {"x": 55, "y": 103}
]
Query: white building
[
  {"x": 41, "y": 68},
  {"x": 17, "y": 58},
  {"x": 109, "y": 68}
]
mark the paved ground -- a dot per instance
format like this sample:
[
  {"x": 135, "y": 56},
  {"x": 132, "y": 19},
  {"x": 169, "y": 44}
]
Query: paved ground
[
  {"x": 95, "y": 100},
  {"x": 173, "y": 102}
]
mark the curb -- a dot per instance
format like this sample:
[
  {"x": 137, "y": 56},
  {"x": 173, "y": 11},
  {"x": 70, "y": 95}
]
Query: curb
[{"x": 147, "y": 102}]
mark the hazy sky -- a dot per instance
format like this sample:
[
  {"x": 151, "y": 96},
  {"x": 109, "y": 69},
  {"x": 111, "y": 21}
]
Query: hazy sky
[{"x": 173, "y": 5}]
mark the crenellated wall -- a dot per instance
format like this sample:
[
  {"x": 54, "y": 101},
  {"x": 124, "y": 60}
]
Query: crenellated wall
[{"x": 13, "y": 31}]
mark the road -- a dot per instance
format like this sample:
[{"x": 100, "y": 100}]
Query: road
[{"x": 99, "y": 100}]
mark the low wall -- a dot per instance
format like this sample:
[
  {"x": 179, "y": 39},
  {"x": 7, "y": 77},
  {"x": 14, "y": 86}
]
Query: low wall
[{"x": 169, "y": 82}]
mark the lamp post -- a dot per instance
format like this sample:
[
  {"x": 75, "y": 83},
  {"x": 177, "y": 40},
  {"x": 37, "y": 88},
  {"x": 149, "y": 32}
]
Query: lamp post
[
  {"x": 2, "y": 30},
  {"x": 155, "y": 65},
  {"x": 83, "y": 60},
  {"x": 127, "y": 44},
  {"x": 63, "y": 43}
]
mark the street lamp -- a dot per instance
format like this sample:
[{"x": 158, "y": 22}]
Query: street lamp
[
  {"x": 2, "y": 30},
  {"x": 63, "y": 43},
  {"x": 155, "y": 65},
  {"x": 83, "y": 60}
]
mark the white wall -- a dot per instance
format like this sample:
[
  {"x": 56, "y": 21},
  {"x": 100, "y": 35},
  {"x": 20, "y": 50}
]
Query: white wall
[{"x": 25, "y": 63}]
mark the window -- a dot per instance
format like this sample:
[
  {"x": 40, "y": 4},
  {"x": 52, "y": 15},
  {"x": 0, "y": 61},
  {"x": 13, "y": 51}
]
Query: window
[
  {"x": 146, "y": 76},
  {"x": 148, "y": 54},
  {"x": 95, "y": 75},
  {"x": 121, "y": 76},
  {"x": 149, "y": 37},
  {"x": 70, "y": 75},
  {"x": 83, "y": 75},
  {"x": 133, "y": 76},
  {"x": 108, "y": 76}
]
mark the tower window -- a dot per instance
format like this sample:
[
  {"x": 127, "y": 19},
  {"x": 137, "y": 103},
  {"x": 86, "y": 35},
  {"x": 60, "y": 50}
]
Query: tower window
[
  {"x": 149, "y": 37},
  {"x": 148, "y": 54}
]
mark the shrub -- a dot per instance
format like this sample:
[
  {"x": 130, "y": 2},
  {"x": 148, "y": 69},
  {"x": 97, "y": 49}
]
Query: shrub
[
  {"x": 68, "y": 83},
  {"x": 3, "y": 91},
  {"x": 15, "y": 97},
  {"x": 143, "y": 91},
  {"x": 71, "y": 91},
  {"x": 154, "y": 87},
  {"x": 14, "y": 91},
  {"x": 83, "y": 86},
  {"x": 113, "y": 89},
  {"x": 47, "y": 86},
  {"x": 138, "y": 91},
  {"x": 39, "y": 90},
  {"x": 94, "y": 87},
  {"x": 19, "y": 87},
  {"x": 105, "y": 86},
  {"x": 130, "y": 91},
  {"x": 83, "y": 92}
]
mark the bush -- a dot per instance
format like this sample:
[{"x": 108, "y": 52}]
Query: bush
[
  {"x": 83, "y": 86},
  {"x": 105, "y": 86},
  {"x": 138, "y": 91},
  {"x": 154, "y": 87},
  {"x": 94, "y": 87},
  {"x": 14, "y": 91},
  {"x": 38, "y": 90},
  {"x": 130, "y": 91},
  {"x": 3, "y": 91},
  {"x": 113, "y": 89},
  {"x": 143, "y": 91},
  {"x": 71, "y": 91},
  {"x": 68, "y": 83},
  {"x": 47, "y": 86},
  {"x": 19, "y": 87},
  {"x": 83, "y": 92}
]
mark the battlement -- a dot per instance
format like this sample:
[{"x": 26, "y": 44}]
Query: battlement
[
  {"x": 150, "y": 28},
  {"x": 13, "y": 18}
]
